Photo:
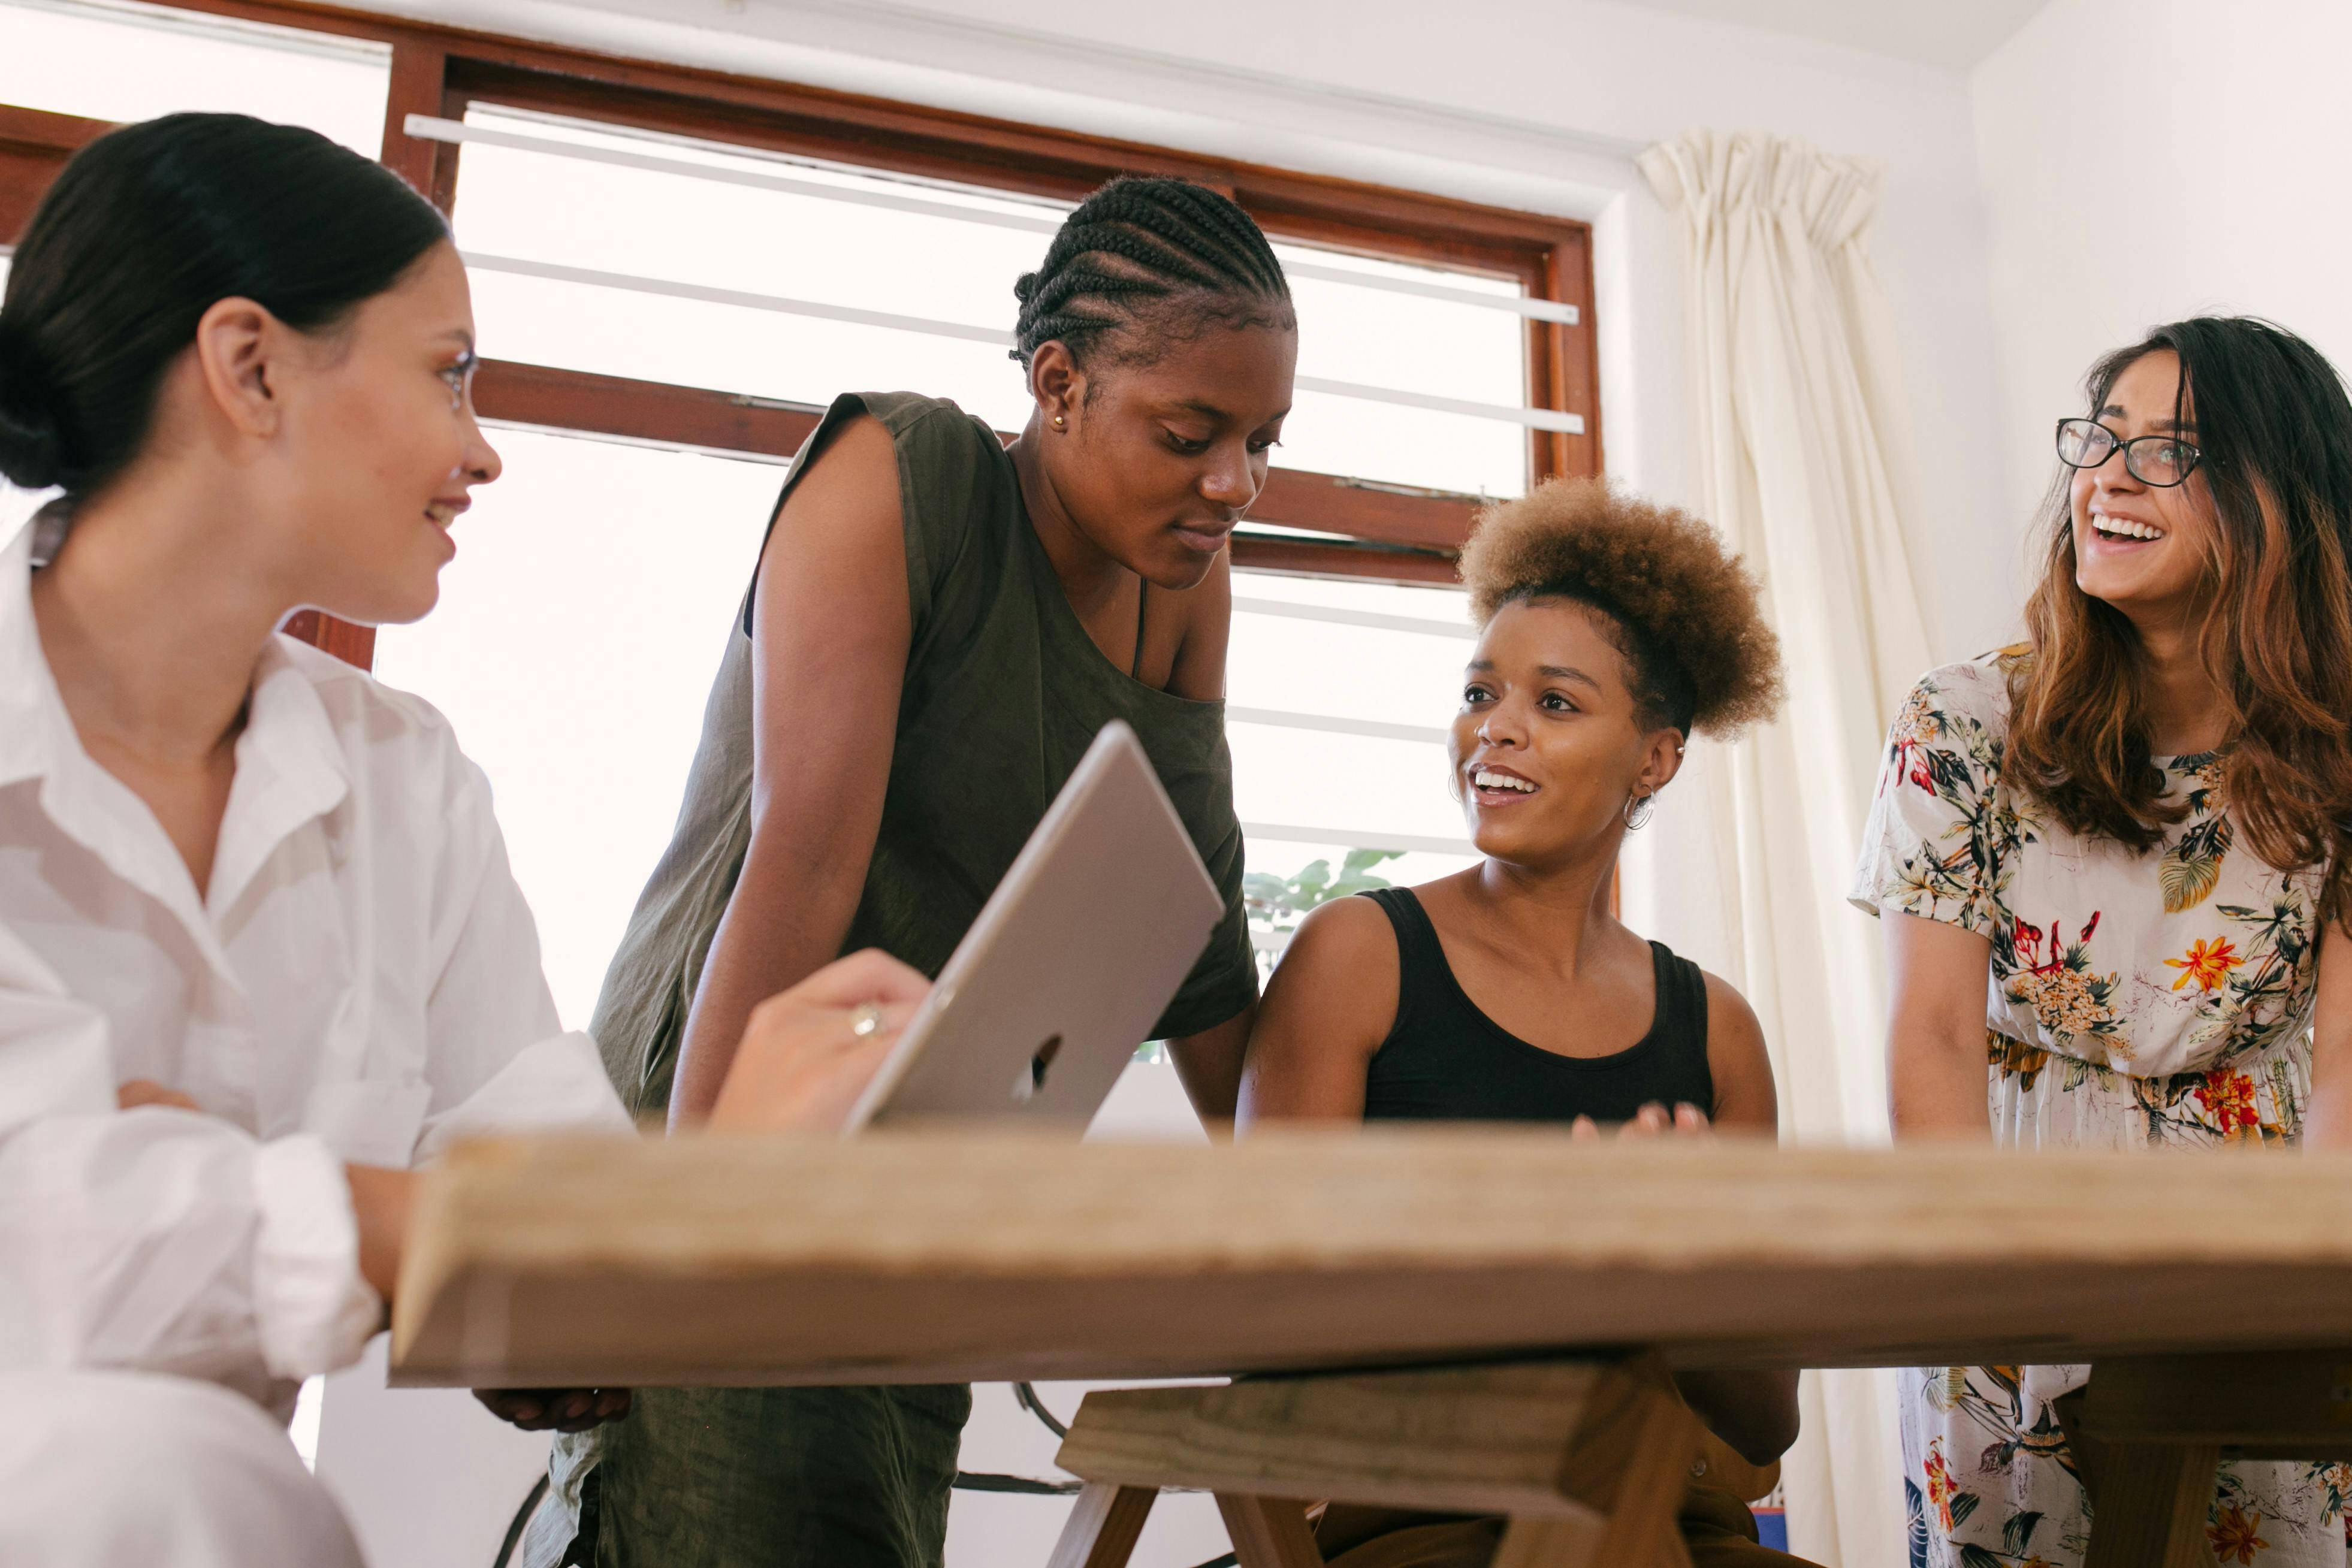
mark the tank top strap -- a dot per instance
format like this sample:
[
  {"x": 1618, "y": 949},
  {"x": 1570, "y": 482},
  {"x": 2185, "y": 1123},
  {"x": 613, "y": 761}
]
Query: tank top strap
[
  {"x": 1421, "y": 957},
  {"x": 1680, "y": 1025}
]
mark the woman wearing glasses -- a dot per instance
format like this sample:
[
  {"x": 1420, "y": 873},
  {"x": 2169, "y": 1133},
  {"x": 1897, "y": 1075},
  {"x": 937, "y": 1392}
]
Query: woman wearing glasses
[{"x": 2113, "y": 860}]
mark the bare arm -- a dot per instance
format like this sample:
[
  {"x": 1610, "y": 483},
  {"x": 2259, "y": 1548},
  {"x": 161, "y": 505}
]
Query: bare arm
[
  {"x": 2328, "y": 1123},
  {"x": 831, "y": 629},
  {"x": 1209, "y": 1065},
  {"x": 1330, "y": 1003},
  {"x": 1745, "y": 1097},
  {"x": 1755, "y": 1412},
  {"x": 1935, "y": 1031}
]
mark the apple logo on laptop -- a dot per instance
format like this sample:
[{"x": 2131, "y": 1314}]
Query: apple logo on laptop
[{"x": 1032, "y": 1077}]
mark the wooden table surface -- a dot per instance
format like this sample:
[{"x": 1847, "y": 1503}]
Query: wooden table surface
[{"x": 937, "y": 1256}]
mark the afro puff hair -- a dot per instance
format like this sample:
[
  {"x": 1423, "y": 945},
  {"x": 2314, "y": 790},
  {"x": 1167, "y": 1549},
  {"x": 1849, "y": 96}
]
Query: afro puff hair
[{"x": 1683, "y": 610}]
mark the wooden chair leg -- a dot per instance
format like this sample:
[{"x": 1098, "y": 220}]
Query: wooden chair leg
[
  {"x": 1269, "y": 1531},
  {"x": 2152, "y": 1505},
  {"x": 1642, "y": 1527},
  {"x": 1103, "y": 1526},
  {"x": 1550, "y": 1543}
]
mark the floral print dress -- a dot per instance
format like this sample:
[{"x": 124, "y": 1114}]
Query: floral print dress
[{"x": 2155, "y": 1000}]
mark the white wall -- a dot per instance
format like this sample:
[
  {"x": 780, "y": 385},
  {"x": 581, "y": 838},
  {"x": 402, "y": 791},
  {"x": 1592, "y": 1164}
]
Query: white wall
[{"x": 2148, "y": 159}]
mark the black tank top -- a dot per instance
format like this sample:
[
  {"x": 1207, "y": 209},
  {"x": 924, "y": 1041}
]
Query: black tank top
[{"x": 1445, "y": 1061}]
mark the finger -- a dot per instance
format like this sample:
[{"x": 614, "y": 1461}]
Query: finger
[
  {"x": 869, "y": 976},
  {"x": 137, "y": 1091},
  {"x": 894, "y": 1018},
  {"x": 1689, "y": 1118},
  {"x": 1584, "y": 1130},
  {"x": 1647, "y": 1123}
]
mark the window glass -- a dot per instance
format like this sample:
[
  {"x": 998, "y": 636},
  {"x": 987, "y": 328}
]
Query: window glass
[
  {"x": 125, "y": 62},
  {"x": 1310, "y": 797},
  {"x": 575, "y": 641},
  {"x": 595, "y": 585},
  {"x": 547, "y": 207}
]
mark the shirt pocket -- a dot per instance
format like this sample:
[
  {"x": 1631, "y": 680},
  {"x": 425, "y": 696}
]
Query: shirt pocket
[{"x": 369, "y": 1123}]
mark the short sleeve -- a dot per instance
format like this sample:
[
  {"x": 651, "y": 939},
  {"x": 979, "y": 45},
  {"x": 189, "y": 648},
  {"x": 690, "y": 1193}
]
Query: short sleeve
[
  {"x": 1932, "y": 845},
  {"x": 1224, "y": 980},
  {"x": 945, "y": 458}
]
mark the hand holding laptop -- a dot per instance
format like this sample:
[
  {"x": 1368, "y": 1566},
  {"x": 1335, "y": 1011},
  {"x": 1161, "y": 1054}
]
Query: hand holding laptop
[
  {"x": 1080, "y": 949},
  {"x": 809, "y": 1054}
]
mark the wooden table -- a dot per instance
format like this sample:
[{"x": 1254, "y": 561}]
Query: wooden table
[{"x": 914, "y": 1258}]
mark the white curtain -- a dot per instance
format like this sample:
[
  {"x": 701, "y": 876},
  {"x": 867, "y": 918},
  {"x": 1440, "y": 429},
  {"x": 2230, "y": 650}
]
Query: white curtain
[{"x": 1806, "y": 465}]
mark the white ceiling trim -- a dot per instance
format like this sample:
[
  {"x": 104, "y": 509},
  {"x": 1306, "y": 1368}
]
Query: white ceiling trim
[{"x": 921, "y": 55}]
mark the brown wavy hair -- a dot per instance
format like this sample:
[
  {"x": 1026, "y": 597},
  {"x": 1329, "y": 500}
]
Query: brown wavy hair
[
  {"x": 2275, "y": 617},
  {"x": 1680, "y": 607}
]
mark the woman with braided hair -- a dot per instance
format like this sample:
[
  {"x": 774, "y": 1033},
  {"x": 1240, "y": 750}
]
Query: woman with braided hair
[{"x": 938, "y": 628}]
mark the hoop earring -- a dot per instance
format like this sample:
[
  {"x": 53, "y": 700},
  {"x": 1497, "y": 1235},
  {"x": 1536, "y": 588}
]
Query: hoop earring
[{"x": 1638, "y": 811}]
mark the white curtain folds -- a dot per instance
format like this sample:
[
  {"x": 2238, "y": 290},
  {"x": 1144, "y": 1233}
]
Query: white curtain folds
[{"x": 1806, "y": 465}]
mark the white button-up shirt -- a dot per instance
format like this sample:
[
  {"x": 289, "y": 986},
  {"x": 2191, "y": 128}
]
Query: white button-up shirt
[{"x": 360, "y": 983}]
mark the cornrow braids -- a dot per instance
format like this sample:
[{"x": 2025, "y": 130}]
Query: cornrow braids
[{"x": 1179, "y": 255}]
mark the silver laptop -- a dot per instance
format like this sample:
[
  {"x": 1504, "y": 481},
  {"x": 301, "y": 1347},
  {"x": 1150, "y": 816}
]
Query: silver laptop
[{"x": 1078, "y": 951}]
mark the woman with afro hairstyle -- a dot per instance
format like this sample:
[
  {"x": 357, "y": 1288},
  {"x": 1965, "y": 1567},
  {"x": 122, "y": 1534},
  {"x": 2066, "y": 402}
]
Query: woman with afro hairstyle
[{"x": 1609, "y": 630}]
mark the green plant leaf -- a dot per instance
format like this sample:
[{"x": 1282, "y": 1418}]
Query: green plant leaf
[
  {"x": 1264, "y": 887},
  {"x": 1364, "y": 860}
]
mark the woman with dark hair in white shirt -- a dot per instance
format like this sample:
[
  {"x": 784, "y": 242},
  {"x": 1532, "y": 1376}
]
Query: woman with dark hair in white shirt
[{"x": 260, "y": 950}]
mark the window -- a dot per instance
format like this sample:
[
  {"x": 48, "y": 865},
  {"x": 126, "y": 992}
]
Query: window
[
  {"x": 116, "y": 62},
  {"x": 686, "y": 266},
  {"x": 576, "y": 638}
]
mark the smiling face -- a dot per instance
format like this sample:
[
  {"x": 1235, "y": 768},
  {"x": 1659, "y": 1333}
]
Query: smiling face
[
  {"x": 1550, "y": 746},
  {"x": 379, "y": 449},
  {"x": 1157, "y": 461},
  {"x": 2143, "y": 547}
]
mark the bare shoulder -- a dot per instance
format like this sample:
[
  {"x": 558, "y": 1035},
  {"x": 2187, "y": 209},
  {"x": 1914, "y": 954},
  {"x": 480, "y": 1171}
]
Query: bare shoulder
[
  {"x": 1339, "y": 969},
  {"x": 1331, "y": 1003},
  {"x": 1345, "y": 930},
  {"x": 1736, "y": 1059}
]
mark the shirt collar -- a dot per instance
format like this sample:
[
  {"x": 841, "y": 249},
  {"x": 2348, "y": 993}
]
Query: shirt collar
[
  {"x": 290, "y": 766},
  {"x": 29, "y": 705}
]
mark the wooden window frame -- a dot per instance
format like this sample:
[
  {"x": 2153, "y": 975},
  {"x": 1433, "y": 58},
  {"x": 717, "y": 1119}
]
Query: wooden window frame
[{"x": 1391, "y": 533}]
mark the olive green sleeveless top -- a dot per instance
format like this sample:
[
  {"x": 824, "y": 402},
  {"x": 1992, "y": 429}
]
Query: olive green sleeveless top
[{"x": 1005, "y": 691}]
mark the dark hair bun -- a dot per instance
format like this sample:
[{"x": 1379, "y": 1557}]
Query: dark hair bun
[
  {"x": 141, "y": 232},
  {"x": 1025, "y": 285},
  {"x": 31, "y": 447}
]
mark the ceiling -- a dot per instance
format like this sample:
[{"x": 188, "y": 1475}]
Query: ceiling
[{"x": 1933, "y": 32}]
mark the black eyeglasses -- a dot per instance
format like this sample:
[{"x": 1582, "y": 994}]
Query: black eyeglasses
[{"x": 2163, "y": 461}]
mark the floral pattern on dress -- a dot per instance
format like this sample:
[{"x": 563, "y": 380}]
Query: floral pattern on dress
[{"x": 2135, "y": 1001}]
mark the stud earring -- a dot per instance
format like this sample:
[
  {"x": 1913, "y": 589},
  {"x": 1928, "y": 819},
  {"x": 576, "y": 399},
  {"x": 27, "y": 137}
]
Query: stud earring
[{"x": 1060, "y": 423}]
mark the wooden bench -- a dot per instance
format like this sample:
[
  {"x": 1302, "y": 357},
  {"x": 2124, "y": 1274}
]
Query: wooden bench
[{"x": 1588, "y": 1459}]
